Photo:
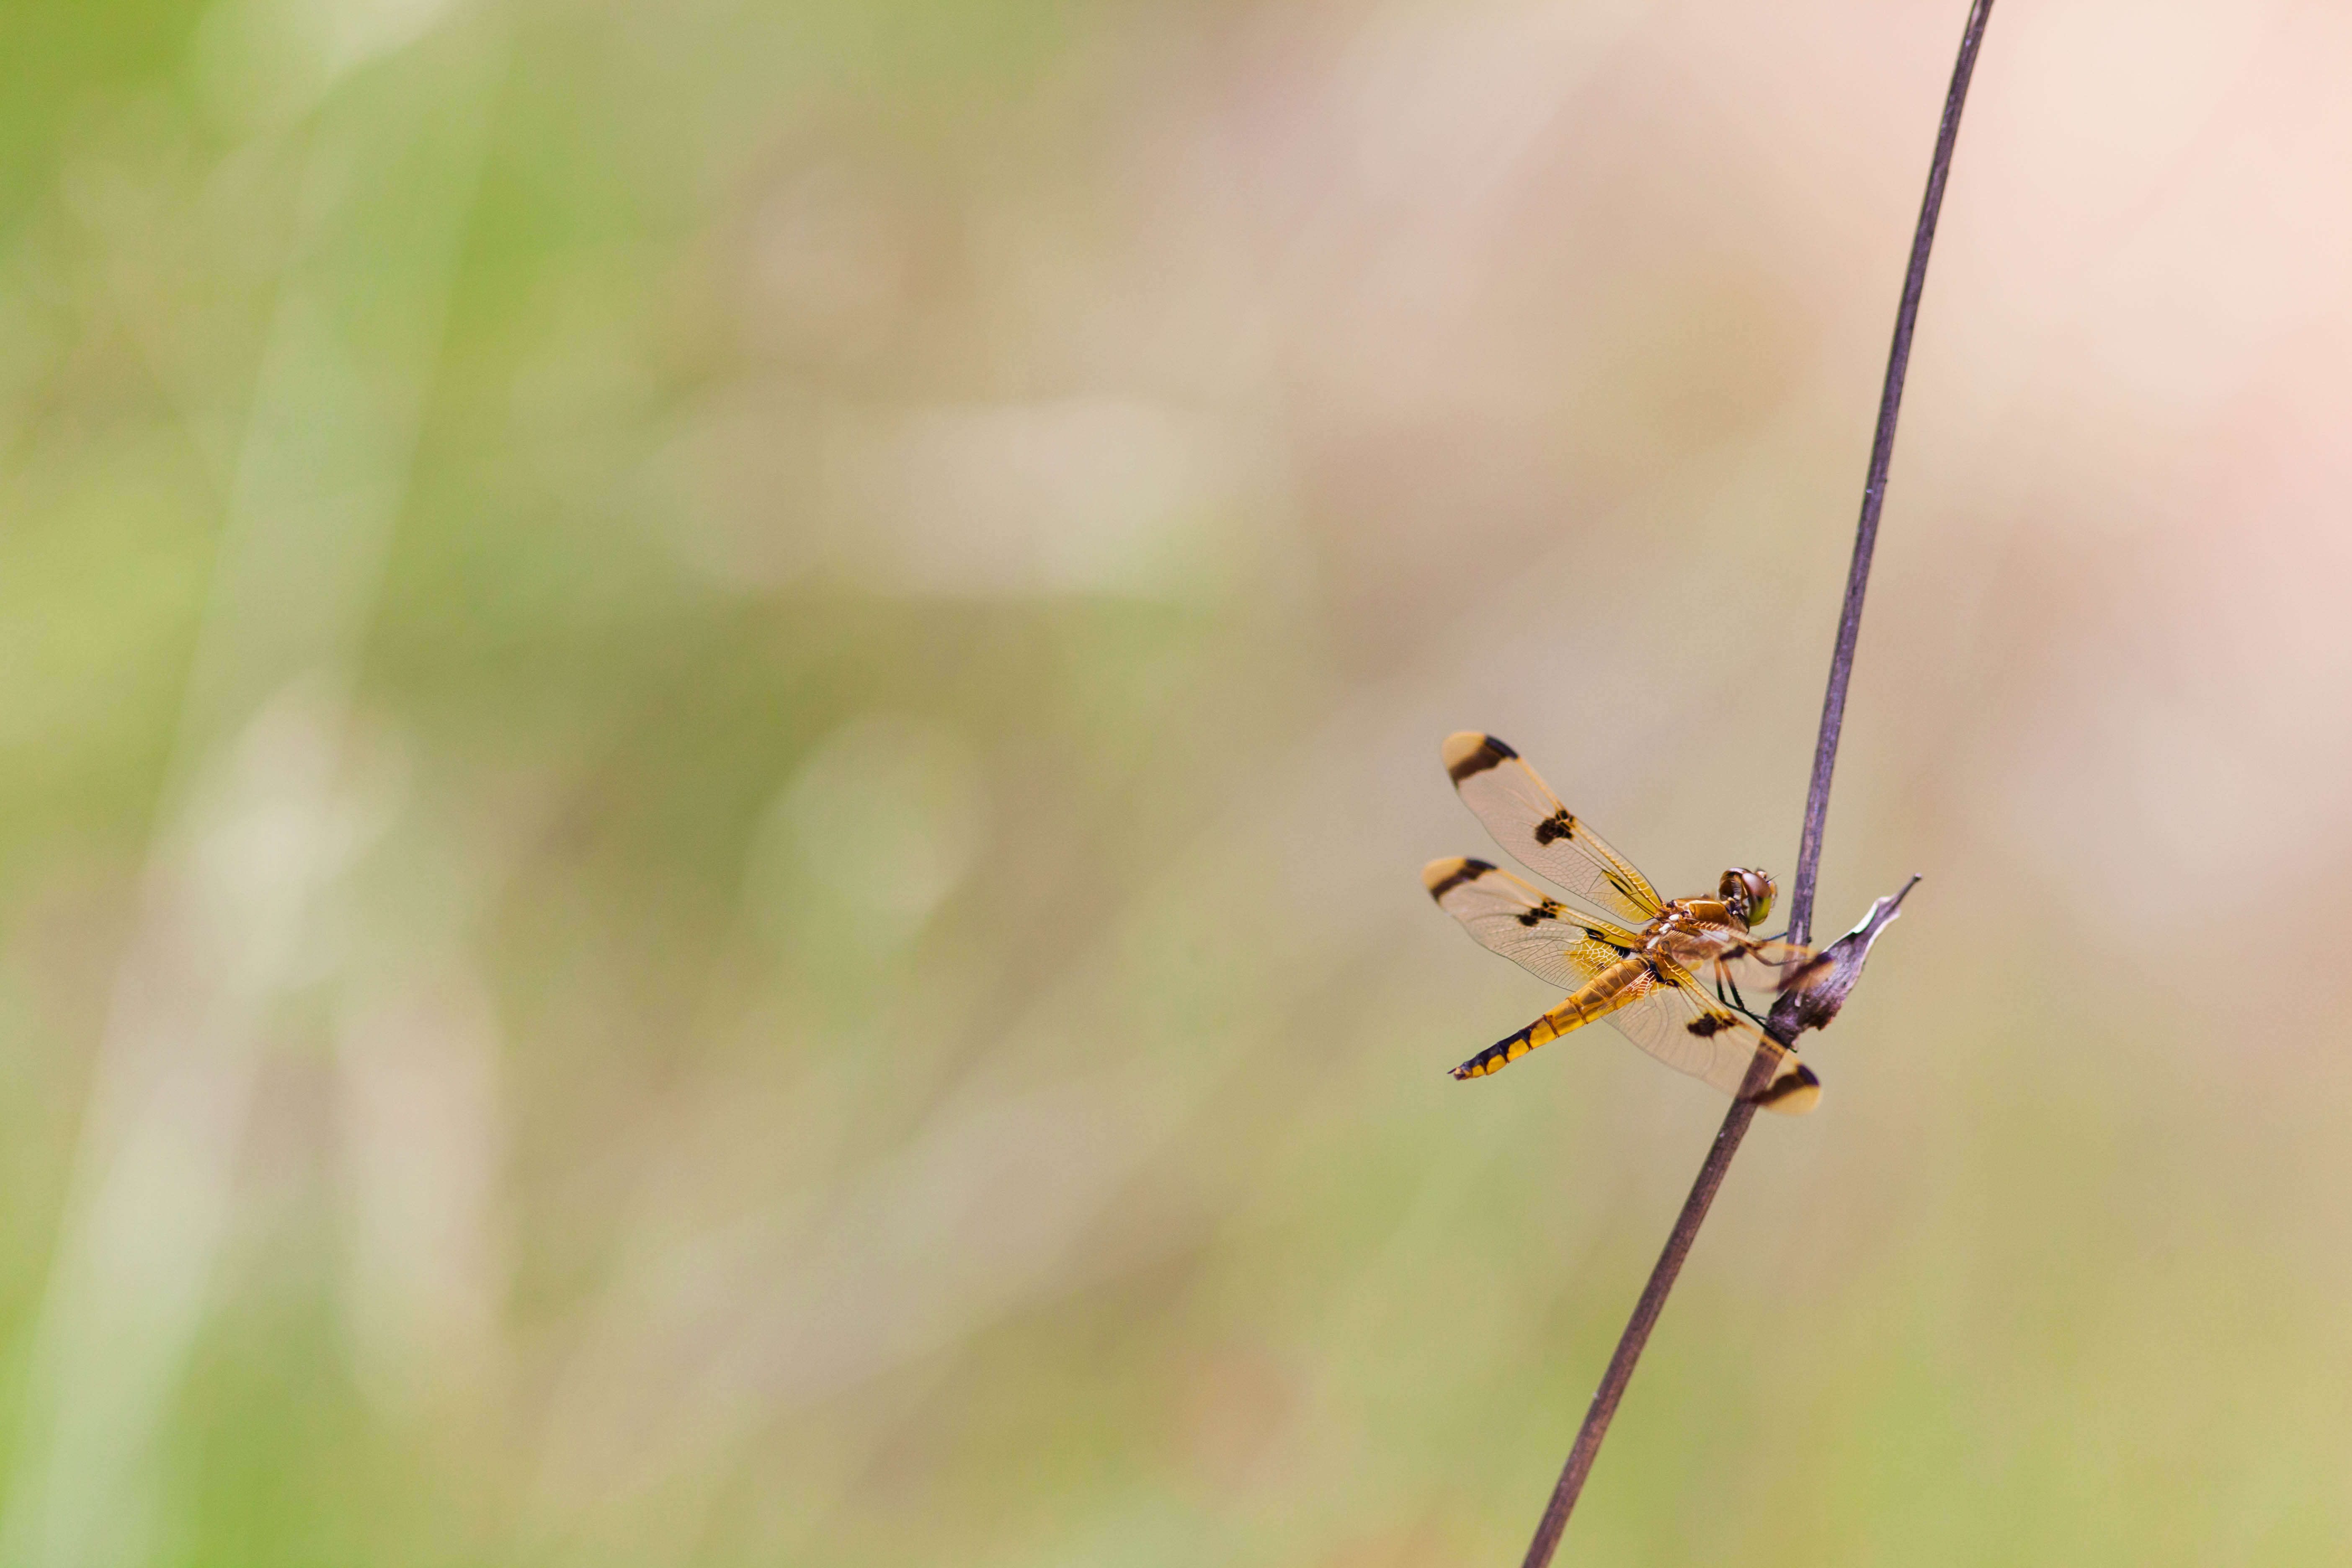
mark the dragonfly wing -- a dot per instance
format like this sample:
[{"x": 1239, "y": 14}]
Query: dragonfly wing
[
  {"x": 1677, "y": 1022},
  {"x": 1510, "y": 917},
  {"x": 1525, "y": 818}
]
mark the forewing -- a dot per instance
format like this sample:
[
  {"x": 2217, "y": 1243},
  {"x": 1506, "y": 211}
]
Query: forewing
[
  {"x": 1683, "y": 1027},
  {"x": 1562, "y": 945},
  {"x": 1525, "y": 818}
]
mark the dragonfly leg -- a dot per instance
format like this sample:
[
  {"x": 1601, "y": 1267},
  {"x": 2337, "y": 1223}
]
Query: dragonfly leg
[{"x": 1724, "y": 977}]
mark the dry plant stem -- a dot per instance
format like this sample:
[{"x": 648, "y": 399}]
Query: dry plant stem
[
  {"x": 1808, "y": 855},
  {"x": 1873, "y": 488}
]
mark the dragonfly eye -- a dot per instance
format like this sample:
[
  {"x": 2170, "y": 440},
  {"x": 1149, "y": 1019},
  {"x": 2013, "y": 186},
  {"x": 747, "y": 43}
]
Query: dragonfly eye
[{"x": 1749, "y": 894}]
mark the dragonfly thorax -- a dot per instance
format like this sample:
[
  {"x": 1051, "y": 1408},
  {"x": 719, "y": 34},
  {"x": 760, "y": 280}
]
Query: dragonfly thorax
[{"x": 1692, "y": 932}]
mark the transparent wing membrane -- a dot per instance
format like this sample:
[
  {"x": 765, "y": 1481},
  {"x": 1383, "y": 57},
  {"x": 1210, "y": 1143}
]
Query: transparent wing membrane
[
  {"x": 1506, "y": 915},
  {"x": 1525, "y": 818},
  {"x": 1687, "y": 1029}
]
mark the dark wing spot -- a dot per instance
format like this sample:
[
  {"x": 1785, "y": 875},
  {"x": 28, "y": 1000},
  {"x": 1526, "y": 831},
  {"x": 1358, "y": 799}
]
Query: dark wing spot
[
  {"x": 1707, "y": 1023},
  {"x": 1469, "y": 872},
  {"x": 1799, "y": 1079},
  {"x": 1487, "y": 753},
  {"x": 1558, "y": 824},
  {"x": 1807, "y": 972},
  {"x": 1549, "y": 910}
]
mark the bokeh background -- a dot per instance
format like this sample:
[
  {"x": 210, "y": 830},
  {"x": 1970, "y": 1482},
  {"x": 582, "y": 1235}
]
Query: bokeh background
[{"x": 715, "y": 719}]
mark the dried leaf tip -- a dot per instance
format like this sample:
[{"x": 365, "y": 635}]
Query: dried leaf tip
[{"x": 1815, "y": 992}]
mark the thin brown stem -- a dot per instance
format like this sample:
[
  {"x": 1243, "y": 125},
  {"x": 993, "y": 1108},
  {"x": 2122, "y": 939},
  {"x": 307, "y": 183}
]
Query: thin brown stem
[
  {"x": 1873, "y": 488},
  {"x": 1809, "y": 854}
]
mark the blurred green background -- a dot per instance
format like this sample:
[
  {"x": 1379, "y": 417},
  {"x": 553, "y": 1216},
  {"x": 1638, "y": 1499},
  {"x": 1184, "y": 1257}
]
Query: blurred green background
[{"x": 715, "y": 721}]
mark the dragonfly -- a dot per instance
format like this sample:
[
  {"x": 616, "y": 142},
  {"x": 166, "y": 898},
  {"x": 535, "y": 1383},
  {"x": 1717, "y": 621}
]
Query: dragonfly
[{"x": 1643, "y": 976}]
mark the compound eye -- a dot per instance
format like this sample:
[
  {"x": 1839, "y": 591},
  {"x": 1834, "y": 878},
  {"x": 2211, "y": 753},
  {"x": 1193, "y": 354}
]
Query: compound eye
[{"x": 1748, "y": 894}]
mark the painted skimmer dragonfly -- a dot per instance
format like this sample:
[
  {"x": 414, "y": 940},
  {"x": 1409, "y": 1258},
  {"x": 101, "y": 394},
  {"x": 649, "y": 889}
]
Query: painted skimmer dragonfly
[{"x": 1643, "y": 976}]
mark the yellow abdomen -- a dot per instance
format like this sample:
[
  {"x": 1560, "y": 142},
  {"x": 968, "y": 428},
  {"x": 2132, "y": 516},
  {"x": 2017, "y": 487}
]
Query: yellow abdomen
[{"x": 1626, "y": 980}]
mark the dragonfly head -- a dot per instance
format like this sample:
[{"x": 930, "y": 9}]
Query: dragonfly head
[{"x": 1749, "y": 895}]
